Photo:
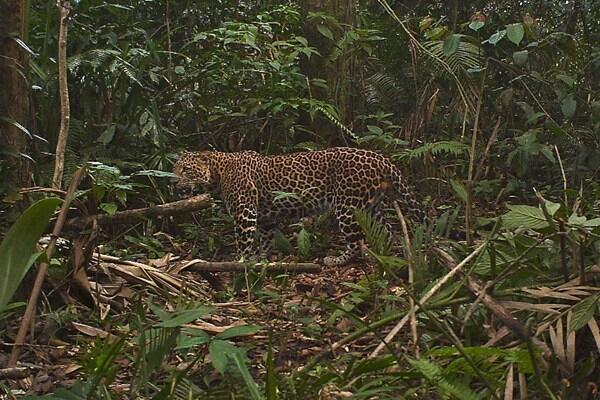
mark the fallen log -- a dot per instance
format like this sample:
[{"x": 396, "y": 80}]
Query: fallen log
[
  {"x": 191, "y": 204},
  {"x": 232, "y": 266}
]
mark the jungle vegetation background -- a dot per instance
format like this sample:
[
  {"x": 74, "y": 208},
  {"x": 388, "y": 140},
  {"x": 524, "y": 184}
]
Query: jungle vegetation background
[{"x": 491, "y": 108}]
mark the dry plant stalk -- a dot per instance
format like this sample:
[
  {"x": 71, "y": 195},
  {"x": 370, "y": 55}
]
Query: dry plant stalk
[
  {"x": 65, "y": 114},
  {"x": 27, "y": 319},
  {"x": 422, "y": 300},
  {"x": 411, "y": 279}
]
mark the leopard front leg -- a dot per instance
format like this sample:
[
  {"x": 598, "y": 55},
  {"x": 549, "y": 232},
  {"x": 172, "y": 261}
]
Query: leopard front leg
[
  {"x": 244, "y": 209},
  {"x": 246, "y": 231}
]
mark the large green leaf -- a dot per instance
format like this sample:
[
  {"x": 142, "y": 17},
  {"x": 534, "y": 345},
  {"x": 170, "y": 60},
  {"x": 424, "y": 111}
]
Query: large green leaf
[
  {"x": 17, "y": 248},
  {"x": 451, "y": 44},
  {"x": 521, "y": 216},
  {"x": 568, "y": 106},
  {"x": 220, "y": 351},
  {"x": 240, "y": 363},
  {"x": 515, "y": 33},
  {"x": 583, "y": 312}
]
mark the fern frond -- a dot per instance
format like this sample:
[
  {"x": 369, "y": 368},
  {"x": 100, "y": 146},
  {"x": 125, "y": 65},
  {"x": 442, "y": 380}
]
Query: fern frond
[
  {"x": 450, "y": 147},
  {"x": 158, "y": 342},
  {"x": 377, "y": 235},
  {"x": 467, "y": 56},
  {"x": 382, "y": 89},
  {"x": 434, "y": 375}
]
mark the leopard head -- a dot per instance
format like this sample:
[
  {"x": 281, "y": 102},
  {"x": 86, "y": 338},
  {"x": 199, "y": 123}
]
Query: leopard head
[{"x": 192, "y": 170}]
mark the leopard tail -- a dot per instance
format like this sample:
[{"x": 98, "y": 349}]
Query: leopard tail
[{"x": 406, "y": 196}]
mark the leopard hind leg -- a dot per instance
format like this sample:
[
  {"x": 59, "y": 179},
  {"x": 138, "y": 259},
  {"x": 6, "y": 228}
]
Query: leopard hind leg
[{"x": 344, "y": 213}]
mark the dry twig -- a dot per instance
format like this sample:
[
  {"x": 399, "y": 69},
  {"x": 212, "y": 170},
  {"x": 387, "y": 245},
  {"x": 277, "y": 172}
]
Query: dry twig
[
  {"x": 423, "y": 300},
  {"x": 411, "y": 274},
  {"x": 43, "y": 268}
]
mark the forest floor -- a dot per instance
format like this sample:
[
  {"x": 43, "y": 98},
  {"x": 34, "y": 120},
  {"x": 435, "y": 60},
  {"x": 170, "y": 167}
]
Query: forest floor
[{"x": 295, "y": 312}]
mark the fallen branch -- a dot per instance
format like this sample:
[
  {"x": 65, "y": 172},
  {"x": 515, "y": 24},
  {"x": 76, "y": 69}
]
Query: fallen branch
[
  {"x": 232, "y": 266},
  {"x": 177, "y": 207},
  {"x": 422, "y": 300},
  {"x": 26, "y": 321},
  {"x": 479, "y": 290}
]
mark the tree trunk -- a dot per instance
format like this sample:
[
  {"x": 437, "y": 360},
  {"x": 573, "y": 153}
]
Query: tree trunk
[{"x": 14, "y": 97}]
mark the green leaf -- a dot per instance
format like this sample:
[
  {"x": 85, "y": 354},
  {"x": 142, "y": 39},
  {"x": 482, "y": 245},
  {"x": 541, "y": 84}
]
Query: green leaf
[
  {"x": 521, "y": 216},
  {"x": 271, "y": 375},
  {"x": 476, "y": 25},
  {"x": 107, "y": 136},
  {"x": 191, "y": 337},
  {"x": 17, "y": 248},
  {"x": 242, "y": 330},
  {"x": 325, "y": 31},
  {"x": 109, "y": 208},
  {"x": 515, "y": 32},
  {"x": 451, "y": 44},
  {"x": 568, "y": 106},
  {"x": 304, "y": 242},
  {"x": 552, "y": 207},
  {"x": 520, "y": 57},
  {"x": 375, "y": 129},
  {"x": 178, "y": 318},
  {"x": 179, "y": 70},
  {"x": 436, "y": 33},
  {"x": 575, "y": 219},
  {"x": 592, "y": 223},
  {"x": 282, "y": 243},
  {"x": 496, "y": 37},
  {"x": 240, "y": 364},
  {"x": 459, "y": 189},
  {"x": 219, "y": 351},
  {"x": 583, "y": 312},
  {"x": 568, "y": 80}
]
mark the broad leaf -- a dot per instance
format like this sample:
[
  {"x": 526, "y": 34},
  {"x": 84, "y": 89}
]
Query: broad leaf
[
  {"x": 375, "y": 129},
  {"x": 476, "y": 25},
  {"x": 583, "y": 312},
  {"x": 496, "y": 37},
  {"x": 515, "y": 33},
  {"x": 451, "y": 44},
  {"x": 220, "y": 351},
  {"x": 239, "y": 362},
  {"x": 17, "y": 248},
  {"x": 242, "y": 330},
  {"x": 325, "y": 31},
  {"x": 459, "y": 189},
  {"x": 191, "y": 337},
  {"x": 524, "y": 217},
  {"x": 568, "y": 106},
  {"x": 179, "y": 318},
  {"x": 520, "y": 57}
]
